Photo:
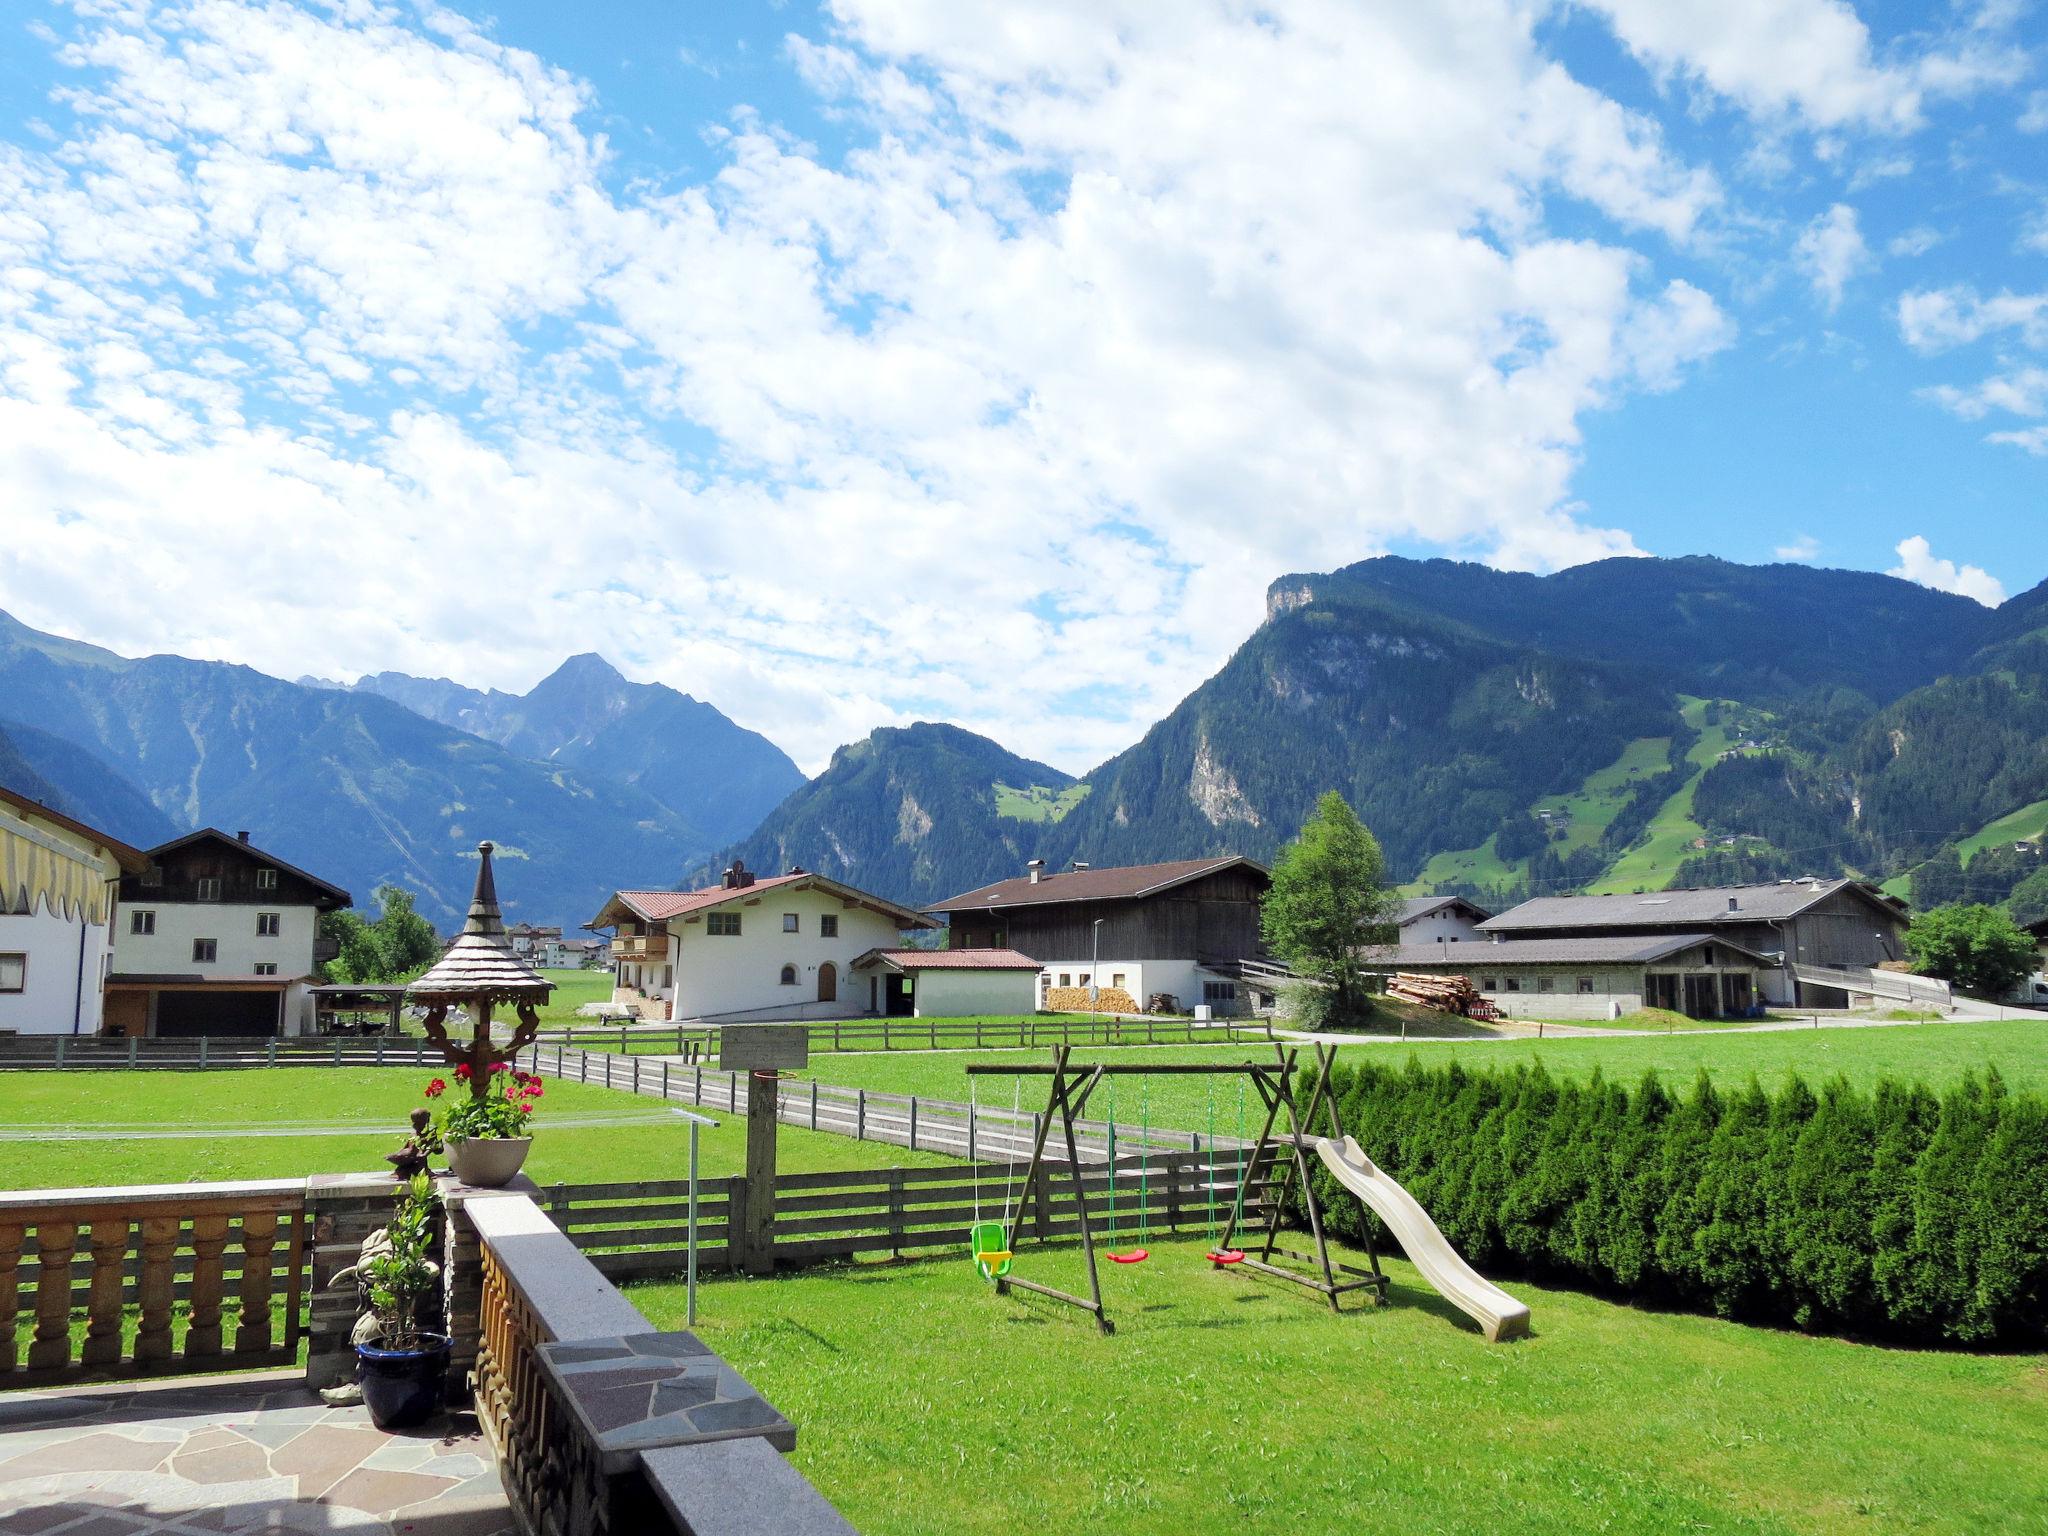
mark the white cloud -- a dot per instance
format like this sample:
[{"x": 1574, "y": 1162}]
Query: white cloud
[
  {"x": 2033, "y": 440},
  {"x": 1936, "y": 319},
  {"x": 1807, "y": 59},
  {"x": 1111, "y": 314},
  {"x": 2021, "y": 391},
  {"x": 1917, "y": 563},
  {"x": 1802, "y": 550},
  {"x": 1917, "y": 241},
  {"x": 1830, "y": 251},
  {"x": 2034, "y": 117}
]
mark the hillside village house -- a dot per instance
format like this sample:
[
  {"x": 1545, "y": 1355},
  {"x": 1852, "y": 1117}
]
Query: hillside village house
[
  {"x": 780, "y": 946},
  {"x": 217, "y": 937},
  {"x": 1830, "y": 924},
  {"x": 1715, "y": 952},
  {"x": 58, "y": 879},
  {"x": 1181, "y": 929}
]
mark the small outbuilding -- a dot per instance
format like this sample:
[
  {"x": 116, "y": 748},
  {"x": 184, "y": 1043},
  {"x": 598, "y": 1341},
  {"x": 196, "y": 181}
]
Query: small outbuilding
[
  {"x": 947, "y": 983},
  {"x": 1703, "y": 976}
]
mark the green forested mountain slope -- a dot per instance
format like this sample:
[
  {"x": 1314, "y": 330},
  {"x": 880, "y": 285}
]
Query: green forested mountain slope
[
  {"x": 70, "y": 779},
  {"x": 916, "y": 812},
  {"x": 354, "y": 787}
]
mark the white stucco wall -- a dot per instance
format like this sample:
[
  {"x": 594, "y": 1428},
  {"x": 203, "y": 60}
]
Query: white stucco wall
[
  {"x": 53, "y": 1001},
  {"x": 947, "y": 994},
  {"x": 742, "y": 974},
  {"x": 1181, "y": 979},
  {"x": 1448, "y": 923},
  {"x": 232, "y": 927}
]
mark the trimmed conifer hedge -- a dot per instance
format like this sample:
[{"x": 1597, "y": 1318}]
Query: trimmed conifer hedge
[{"x": 1895, "y": 1212}]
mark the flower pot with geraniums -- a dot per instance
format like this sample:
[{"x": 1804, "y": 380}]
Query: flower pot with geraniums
[
  {"x": 400, "y": 1364},
  {"x": 484, "y": 1131}
]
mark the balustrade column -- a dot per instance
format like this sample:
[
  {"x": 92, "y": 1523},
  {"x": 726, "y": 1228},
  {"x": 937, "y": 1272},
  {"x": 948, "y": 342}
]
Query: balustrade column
[
  {"x": 159, "y": 1249},
  {"x": 56, "y": 1241},
  {"x": 109, "y": 1242},
  {"x": 259, "y": 1239},
  {"x": 10, "y": 1295},
  {"x": 209, "y": 1239}
]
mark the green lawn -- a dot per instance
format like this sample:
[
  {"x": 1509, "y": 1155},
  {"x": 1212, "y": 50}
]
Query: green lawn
[
  {"x": 1038, "y": 802},
  {"x": 1223, "y": 1404},
  {"x": 1653, "y": 863},
  {"x": 1935, "y": 1053},
  {"x": 637, "y": 1139},
  {"x": 904, "y": 1033}
]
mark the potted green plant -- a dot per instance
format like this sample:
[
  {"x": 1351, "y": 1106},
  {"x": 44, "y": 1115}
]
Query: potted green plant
[
  {"x": 484, "y": 1131},
  {"x": 401, "y": 1364}
]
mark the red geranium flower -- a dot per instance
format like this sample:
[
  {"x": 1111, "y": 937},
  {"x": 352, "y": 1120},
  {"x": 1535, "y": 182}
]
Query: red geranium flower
[{"x": 462, "y": 1070}]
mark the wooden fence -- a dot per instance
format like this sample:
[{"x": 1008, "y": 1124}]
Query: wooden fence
[
  {"x": 702, "y": 1041},
  {"x": 638, "y": 1230},
  {"x": 131, "y": 1262},
  {"x": 31, "y": 1053}
]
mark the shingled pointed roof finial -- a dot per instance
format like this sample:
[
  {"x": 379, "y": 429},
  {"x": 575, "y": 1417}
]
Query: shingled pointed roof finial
[
  {"x": 480, "y": 963},
  {"x": 485, "y": 920}
]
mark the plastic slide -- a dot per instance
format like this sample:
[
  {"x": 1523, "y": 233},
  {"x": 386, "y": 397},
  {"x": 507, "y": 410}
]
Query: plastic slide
[{"x": 1496, "y": 1312}]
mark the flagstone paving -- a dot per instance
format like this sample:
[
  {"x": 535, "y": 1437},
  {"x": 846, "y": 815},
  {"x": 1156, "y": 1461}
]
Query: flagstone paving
[{"x": 236, "y": 1454}]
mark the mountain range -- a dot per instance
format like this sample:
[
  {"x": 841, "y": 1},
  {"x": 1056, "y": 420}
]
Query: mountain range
[{"x": 1622, "y": 725}]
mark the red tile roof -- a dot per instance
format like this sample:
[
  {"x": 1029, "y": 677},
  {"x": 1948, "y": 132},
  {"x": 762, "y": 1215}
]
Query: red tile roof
[
  {"x": 949, "y": 959},
  {"x": 663, "y": 906},
  {"x": 1117, "y": 883}
]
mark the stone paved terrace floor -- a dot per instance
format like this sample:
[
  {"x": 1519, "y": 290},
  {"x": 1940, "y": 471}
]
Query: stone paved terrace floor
[{"x": 250, "y": 1453}]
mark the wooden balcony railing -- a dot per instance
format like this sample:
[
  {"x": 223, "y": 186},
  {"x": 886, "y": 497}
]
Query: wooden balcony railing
[
  {"x": 167, "y": 1280},
  {"x": 650, "y": 947}
]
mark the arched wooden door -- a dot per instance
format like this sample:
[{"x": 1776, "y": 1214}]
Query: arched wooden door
[{"x": 828, "y": 983}]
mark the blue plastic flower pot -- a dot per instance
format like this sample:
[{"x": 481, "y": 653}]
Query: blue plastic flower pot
[{"x": 402, "y": 1387}]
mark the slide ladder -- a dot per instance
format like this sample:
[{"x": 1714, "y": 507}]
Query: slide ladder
[{"x": 1497, "y": 1313}]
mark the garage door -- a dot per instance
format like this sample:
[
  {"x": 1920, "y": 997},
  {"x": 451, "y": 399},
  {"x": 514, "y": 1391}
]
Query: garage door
[{"x": 216, "y": 1013}]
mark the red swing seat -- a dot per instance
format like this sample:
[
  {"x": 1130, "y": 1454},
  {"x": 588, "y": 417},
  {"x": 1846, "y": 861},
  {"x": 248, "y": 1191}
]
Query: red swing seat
[
  {"x": 1222, "y": 1256},
  {"x": 1135, "y": 1256}
]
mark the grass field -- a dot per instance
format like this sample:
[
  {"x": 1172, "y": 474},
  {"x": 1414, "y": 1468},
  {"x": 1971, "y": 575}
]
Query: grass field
[
  {"x": 2029, "y": 821},
  {"x": 240, "y": 1125},
  {"x": 1934, "y": 1053},
  {"x": 1224, "y": 1403},
  {"x": 1653, "y": 862},
  {"x": 1038, "y": 802}
]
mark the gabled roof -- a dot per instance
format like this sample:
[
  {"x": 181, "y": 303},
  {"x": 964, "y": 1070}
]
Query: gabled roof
[
  {"x": 133, "y": 861},
  {"x": 1591, "y": 949},
  {"x": 1705, "y": 906},
  {"x": 1125, "y": 882},
  {"x": 946, "y": 960},
  {"x": 665, "y": 906},
  {"x": 1415, "y": 908},
  {"x": 341, "y": 897}
]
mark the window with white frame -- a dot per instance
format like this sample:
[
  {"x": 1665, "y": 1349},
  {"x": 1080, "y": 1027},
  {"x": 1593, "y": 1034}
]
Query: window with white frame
[
  {"x": 142, "y": 923},
  {"x": 269, "y": 924},
  {"x": 208, "y": 888},
  {"x": 791, "y": 923},
  {"x": 265, "y": 968},
  {"x": 205, "y": 951},
  {"x": 266, "y": 879}
]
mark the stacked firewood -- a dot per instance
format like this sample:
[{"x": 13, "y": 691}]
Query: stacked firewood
[{"x": 1445, "y": 994}]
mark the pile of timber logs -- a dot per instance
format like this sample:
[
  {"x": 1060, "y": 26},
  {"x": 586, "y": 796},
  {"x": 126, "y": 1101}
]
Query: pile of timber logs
[{"x": 1445, "y": 994}]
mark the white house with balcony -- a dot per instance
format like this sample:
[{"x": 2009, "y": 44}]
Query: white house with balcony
[
  {"x": 58, "y": 881},
  {"x": 217, "y": 937},
  {"x": 770, "y": 946}
]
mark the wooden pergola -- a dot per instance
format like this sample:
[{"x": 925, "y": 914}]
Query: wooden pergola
[{"x": 477, "y": 972}]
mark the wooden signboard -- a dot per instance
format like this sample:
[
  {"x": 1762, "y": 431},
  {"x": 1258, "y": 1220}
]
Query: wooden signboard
[{"x": 762, "y": 1047}]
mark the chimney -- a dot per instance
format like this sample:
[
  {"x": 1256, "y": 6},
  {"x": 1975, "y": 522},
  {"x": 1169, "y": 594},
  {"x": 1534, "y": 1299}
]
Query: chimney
[
  {"x": 241, "y": 837},
  {"x": 741, "y": 875},
  {"x": 1734, "y": 904},
  {"x": 1037, "y": 869},
  {"x": 1080, "y": 866}
]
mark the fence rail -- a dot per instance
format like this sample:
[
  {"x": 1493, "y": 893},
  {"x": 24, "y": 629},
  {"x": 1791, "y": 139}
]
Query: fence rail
[{"x": 688, "y": 1039}]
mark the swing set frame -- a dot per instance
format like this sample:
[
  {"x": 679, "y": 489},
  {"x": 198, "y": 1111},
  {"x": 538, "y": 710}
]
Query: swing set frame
[{"x": 1071, "y": 1085}]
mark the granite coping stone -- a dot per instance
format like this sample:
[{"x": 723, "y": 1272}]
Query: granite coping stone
[
  {"x": 567, "y": 1293},
  {"x": 738, "y": 1488},
  {"x": 641, "y": 1391}
]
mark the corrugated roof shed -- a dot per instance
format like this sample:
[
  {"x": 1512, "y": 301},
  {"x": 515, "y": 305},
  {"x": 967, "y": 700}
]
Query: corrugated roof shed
[
  {"x": 1593, "y": 949},
  {"x": 1702, "y": 907}
]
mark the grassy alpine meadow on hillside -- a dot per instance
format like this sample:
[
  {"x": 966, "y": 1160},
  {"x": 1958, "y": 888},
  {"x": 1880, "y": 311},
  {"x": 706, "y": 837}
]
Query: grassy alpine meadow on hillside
[
  {"x": 1227, "y": 1403},
  {"x": 60, "y": 1129}
]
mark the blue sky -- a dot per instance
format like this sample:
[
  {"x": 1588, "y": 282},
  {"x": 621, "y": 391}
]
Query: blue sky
[{"x": 905, "y": 358}]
